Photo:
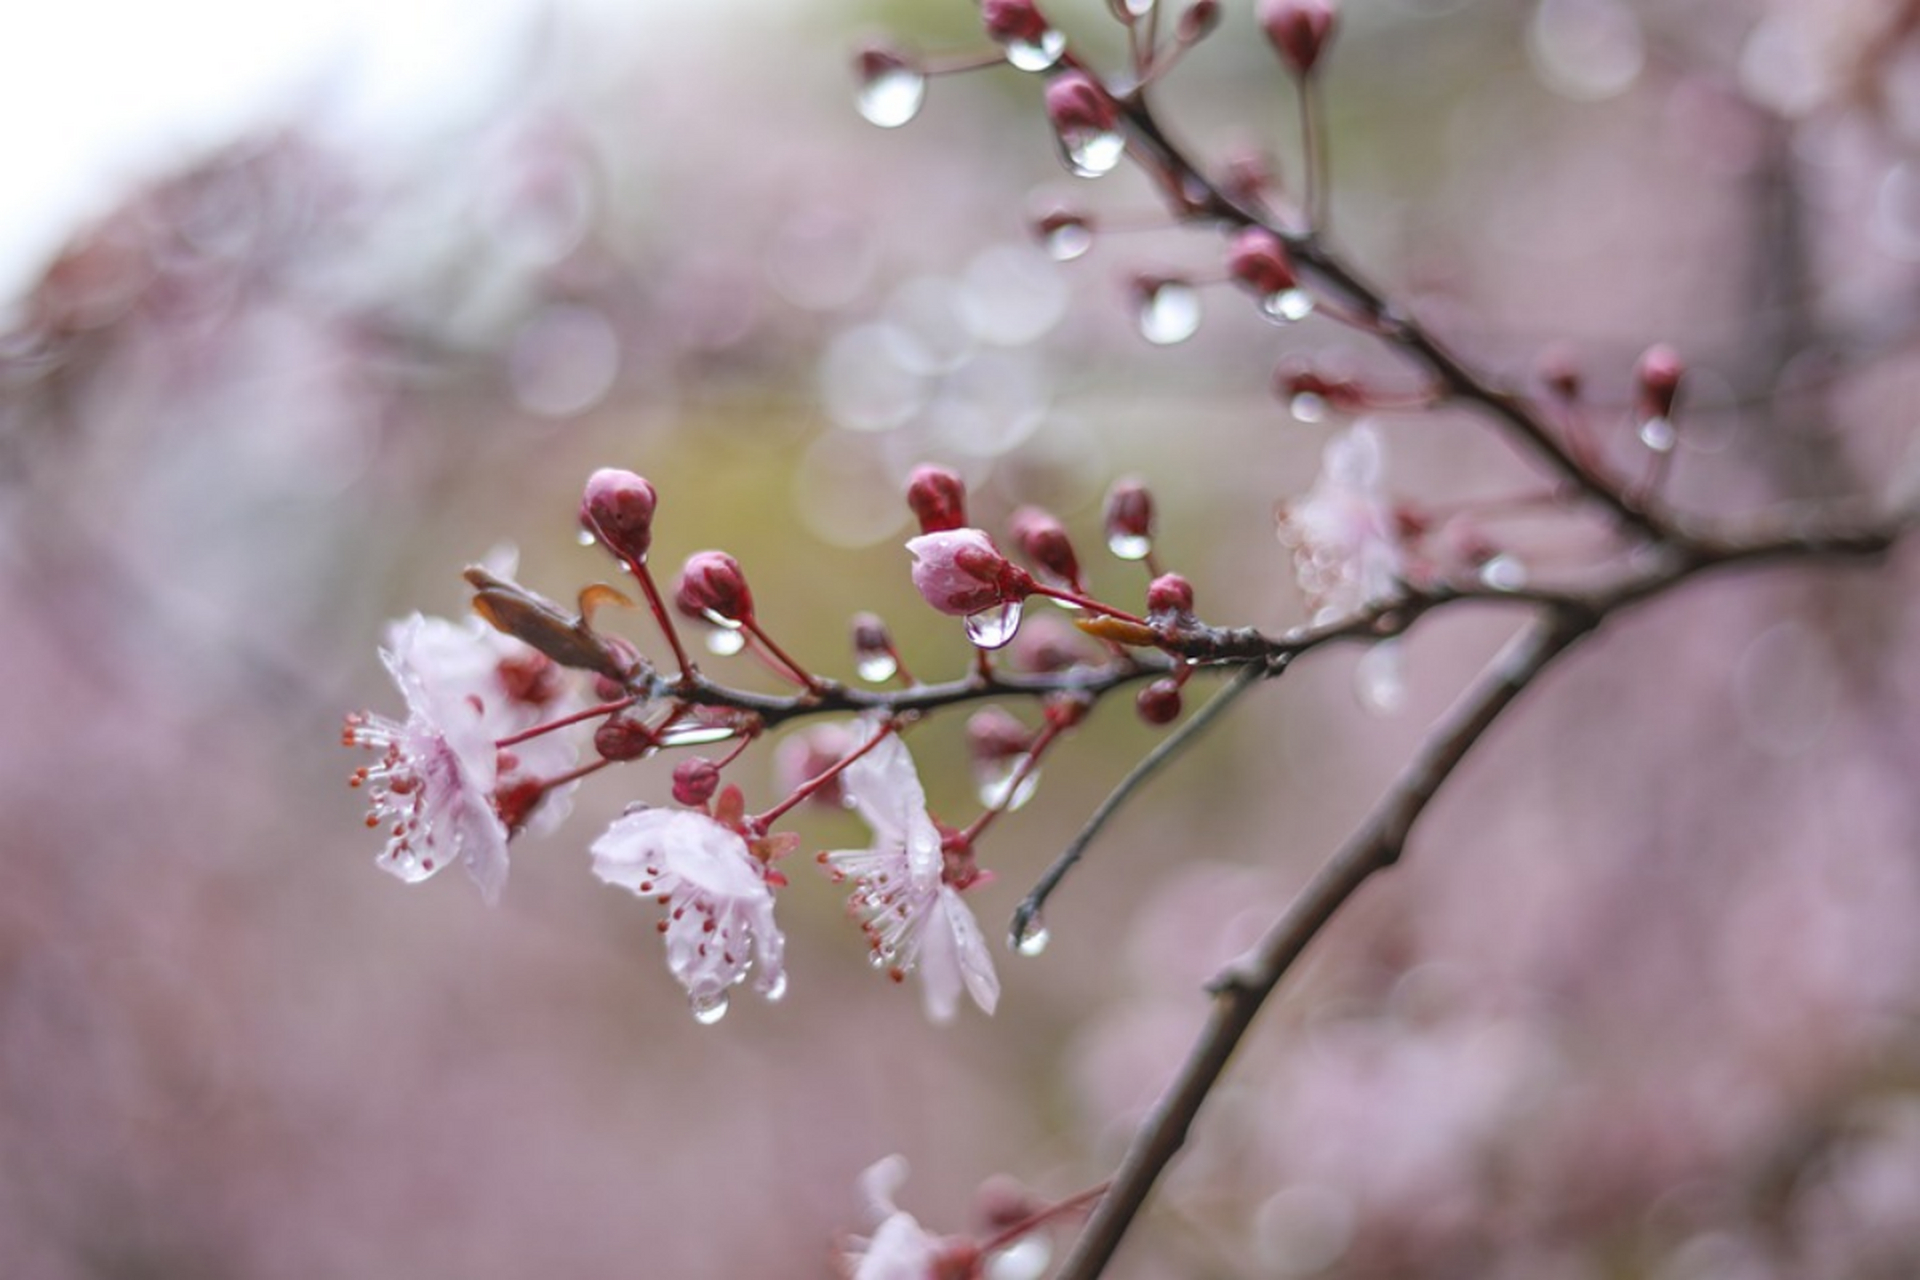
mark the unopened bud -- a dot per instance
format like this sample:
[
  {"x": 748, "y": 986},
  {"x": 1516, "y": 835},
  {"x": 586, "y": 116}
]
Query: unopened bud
[
  {"x": 1129, "y": 518},
  {"x": 1246, "y": 176},
  {"x": 1170, "y": 593},
  {"x": 1078, "y": 105},
  {"x": 1159, "y": 702},
  {"x": 695, "y": 780},
  {"x": 619, "y": 738},
  {"x": 994, "y": 735},
  {"x": 712, "y": 586},
  {"x": 1014, "y": 21},
  {"x": 1259, "y": 263},
  {"x": 1657, "y": 381},
  {"x": 1298, "y": 29},
  {"x": 961, "y": 572},
  {"x": 938, "y": 498},
  {"x": 1043, "y": 540},
  {"x": 617, "y": 508},
  {"x": 1198, "y": 20}
]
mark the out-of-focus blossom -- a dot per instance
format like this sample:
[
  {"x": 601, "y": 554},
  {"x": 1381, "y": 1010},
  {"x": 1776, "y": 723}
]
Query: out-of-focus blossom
[
  {"x": 441, "y": 788},
  {"x": 1346, "y": 546},
  {"x": 719, "y": 924},
  {"x": 900, "y": 1248},
  {"x": 914, "y": 918}
]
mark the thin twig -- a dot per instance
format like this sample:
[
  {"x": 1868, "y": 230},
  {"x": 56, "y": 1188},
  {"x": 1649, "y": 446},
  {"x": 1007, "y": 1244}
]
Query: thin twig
[{"x": 1029, "y": 909}]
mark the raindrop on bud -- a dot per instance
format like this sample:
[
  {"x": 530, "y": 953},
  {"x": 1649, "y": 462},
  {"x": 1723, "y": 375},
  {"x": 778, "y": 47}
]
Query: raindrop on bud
[
  {"x": 995, "y": 625},
  {"x": 724, "y": 639},
  {"x": 1129, "y": 520},
  {"x": 1308, "y": 407},
  {"x": 892, "y": 87},
  {"x": 1287, "y": 306},
  {"x": 1167, "y": 310},
  {"x": 1030, "y": 41},
  {"x": 1503, "y": 572},
  {"x": 876, "y": 668},
  {"x": 1658, "y": 434},
  {"x": 1086, "y": 123},
  {"x": 777, "y": 989},
  {"x": 1064, "y": 234}
]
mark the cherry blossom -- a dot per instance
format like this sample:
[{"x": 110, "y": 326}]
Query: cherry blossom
[
  {"x": 442, "y": 788},
  {"x": 900, "y": 1248},
  {"x": 1346, "y": 546},
  {"x": 432, "y": 787},
  {"x": 914, "y": 916},
  {"x": 719, "y": 924}
]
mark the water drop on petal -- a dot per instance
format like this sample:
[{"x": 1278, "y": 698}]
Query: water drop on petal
[
  {"x": 708, "y": 1010},
  {"x": 994, "y": 626},
  {"x": 777, "y": 989},
  {"x": 1091, "y": 153},
  {"x": 1169, "y": 312},
  {"x": 1039, "y": 53},
  {"x": 1129, "y": 546},
  {"x": 1658, "y": 435},
  {"x": 893, "y": 96},
  {"x": 1308, "y": 406},
  {"x": 876, "y": 667}
]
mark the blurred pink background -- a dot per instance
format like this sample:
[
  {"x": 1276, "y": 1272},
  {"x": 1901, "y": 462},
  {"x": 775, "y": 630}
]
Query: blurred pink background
[{"x": 1640, "y": 1003}]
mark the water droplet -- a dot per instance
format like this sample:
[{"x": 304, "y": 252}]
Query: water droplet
[
  {"x": 1091, "y": 153},
  {"x": 1033, "y": 937},
  {"x": 1308, "y": 407},
  {"x": 1379, "y": 681},
  {"x": 1129, "y": 546},
  {"x": 1024, "y": 1259},
  {"x": 1658, "y": 435},
  {"x": 893, "y": 96},
  {"x": 1503, "y": 572},
  {"x": 876, "y": 668},
  {"x": 994, "y": 626},
  {"x": 777, "y": 989},
  {"x": 1068, "y": 240},
  {"x": 724, "y": 642},
  {"x": 1169, "y": 312},
  {"x": 996, "y": 781},
  {"x": 586, "y": 538},
  {"x": 708, "y": 1010},
  {"x": 1037, "y": 54},
  {"x": 1287, "y": 306},
  {"x": 695, "y": 735}
]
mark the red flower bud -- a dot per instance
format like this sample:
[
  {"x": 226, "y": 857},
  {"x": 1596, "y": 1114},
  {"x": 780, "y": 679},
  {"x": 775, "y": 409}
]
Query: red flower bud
[
  {"x": 1129, "y": 517},
  {"x": 712, "y": 586},
  {"x": 938, "y": 498},
  {"x": 1259, "y": 263},
  {"x": 1087, "y": 122},
  {"x": 1008, "y": 21},
  {"x": 1169, "y": 593},
  {"x": 1043, "y": 540},
  {"x": 1299, "y": 30},
  {"x": 1159, "y": 702},
  {"x": 619, "y": 738},
  {"x": 960, "y": 571},
  {"x": 695, "y": 780},
  {"x": 617, "y": 508},
  {"x": 1657, "y": 381}
]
